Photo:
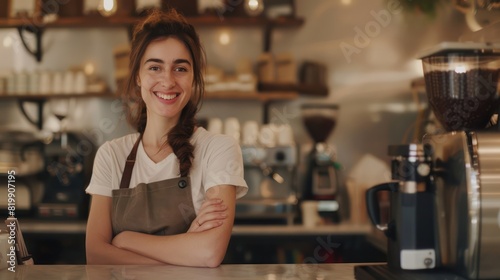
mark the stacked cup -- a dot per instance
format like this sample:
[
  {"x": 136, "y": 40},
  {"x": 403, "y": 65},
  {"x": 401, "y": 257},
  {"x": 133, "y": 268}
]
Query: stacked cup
[
  {"x": 43, "y": 82},
  {"x": 268, "y": 135}
]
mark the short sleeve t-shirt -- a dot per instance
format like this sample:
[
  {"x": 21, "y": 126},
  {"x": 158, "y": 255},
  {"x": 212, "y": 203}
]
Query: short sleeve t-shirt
[{"x": 217, "y": 161}]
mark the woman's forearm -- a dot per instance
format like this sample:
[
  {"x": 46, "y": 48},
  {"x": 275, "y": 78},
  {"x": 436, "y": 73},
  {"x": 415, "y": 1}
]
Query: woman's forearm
[
  {"x": 202, "y": 249},
  {"x": 98, "y": 239},
  {"x": 106, "y": 253}
]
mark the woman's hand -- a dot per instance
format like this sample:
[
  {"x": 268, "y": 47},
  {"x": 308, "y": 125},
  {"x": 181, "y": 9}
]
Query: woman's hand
[
  {"x": 211, "y": 215},
  {"x": 119, "y": 239}
]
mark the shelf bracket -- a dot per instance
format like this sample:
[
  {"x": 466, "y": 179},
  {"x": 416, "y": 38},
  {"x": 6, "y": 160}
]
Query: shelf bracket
[
  {"x": 39, "y": 121},
  {"x": 268, "y": 33},
  {"x": 37, "y": 53},
  {"x": 265, "y": 113}
]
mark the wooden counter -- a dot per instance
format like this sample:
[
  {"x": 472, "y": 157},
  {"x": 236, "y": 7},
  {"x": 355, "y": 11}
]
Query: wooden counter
[
  {"x": 78, "y": 227},
  {"x": 63, "y": 242},
  {"x": 243, "y": 271}
]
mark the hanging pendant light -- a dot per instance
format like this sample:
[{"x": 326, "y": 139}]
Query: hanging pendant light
[
  {"x": 107, "y": 7},
  {"x": 254, "y": 7}
]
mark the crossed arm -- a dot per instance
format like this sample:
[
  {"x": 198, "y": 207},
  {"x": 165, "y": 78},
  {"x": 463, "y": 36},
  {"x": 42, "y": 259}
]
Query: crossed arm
[{"x": 203, "y": 246}]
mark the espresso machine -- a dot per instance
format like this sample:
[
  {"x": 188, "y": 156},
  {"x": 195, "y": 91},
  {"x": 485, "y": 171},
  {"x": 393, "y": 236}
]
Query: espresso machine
[
  {"x": 444, "y": 220},
  {"x": 323, "y": 179},
  {"x": 270, "y": 173},
  {"x": 68, "y": 166}
]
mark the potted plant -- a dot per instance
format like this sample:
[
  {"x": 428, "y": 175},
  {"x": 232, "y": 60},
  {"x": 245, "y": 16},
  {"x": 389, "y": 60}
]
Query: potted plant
[{"x": 427, "y": 7}]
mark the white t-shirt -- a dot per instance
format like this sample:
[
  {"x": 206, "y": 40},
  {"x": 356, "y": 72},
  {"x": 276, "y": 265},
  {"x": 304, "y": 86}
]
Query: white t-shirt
[{"x": 217, "y": 161}]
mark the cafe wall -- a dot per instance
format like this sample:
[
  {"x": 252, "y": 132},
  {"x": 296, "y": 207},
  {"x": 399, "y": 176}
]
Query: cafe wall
[
  {"x": 371, "y": 51},
  {"x": 369, "y": 47}
]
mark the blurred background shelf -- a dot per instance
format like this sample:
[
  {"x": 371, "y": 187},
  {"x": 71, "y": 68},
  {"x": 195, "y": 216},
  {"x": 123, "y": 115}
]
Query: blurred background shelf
[
  {"x": 41, "y": 97},
  {"x": 96, "y": 21},
  {"x": 305, "y": 89},
  {"x": 258, "y": 96},
  {"x": 220, "y": 95}
]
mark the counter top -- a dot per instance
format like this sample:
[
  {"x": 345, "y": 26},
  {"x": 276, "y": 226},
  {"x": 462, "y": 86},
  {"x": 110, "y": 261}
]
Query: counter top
[
  {"x": 138, "y": 272},
  {"x": 340, "y": 229},
  {"x": 78, "y": 227}
]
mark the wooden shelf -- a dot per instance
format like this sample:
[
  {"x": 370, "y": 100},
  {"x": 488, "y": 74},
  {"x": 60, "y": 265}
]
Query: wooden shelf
[
  {"x": 264, "y": 97},
  {"x": 201, "y": 21},
  {"x": 41, "y": 97},
  {"x": 222, "y": 95},
  {"x": 245, "y": 21},
  {"x": 305, "y": 89},
  {"x": 258, "y": 96},
  {"x": 37, "y": 27}
]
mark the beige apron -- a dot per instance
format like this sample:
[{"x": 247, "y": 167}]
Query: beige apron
[{"x": 160, "y": 208}]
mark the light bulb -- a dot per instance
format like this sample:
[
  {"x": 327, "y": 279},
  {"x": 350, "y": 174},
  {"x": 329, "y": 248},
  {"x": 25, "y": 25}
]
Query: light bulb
[
  {"x": 107, "y": 7},
  {"x": 460, "y": 69},
  {"x": 254, "y": 7},
  {"x": 224, "y": 38},
  {"x": 89, "y": 69}
]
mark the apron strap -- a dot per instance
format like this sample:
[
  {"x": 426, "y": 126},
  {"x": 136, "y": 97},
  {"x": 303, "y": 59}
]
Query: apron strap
[{"x": 129, "y": 165}]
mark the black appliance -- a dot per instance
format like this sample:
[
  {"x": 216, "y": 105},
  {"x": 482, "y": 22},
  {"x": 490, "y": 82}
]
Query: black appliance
[
  {"x": 68, "y": 166},
  {"x": 445, "y": 197}
]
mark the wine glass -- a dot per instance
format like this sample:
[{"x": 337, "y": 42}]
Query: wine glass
[{"x": 61, "y": 108}]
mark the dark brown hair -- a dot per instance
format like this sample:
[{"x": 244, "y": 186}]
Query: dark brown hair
[{"x": 159, "y": 24}]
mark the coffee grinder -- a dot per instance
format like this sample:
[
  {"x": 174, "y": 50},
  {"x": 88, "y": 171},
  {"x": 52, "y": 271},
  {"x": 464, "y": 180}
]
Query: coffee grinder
[
  {"x": 445, "y": 197},
  {"x": 323, "y": 181}
]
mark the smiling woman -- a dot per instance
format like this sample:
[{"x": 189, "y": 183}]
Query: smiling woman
[
  {"x": 166, "y": 78},
  {"x": 167, "y": 193}
]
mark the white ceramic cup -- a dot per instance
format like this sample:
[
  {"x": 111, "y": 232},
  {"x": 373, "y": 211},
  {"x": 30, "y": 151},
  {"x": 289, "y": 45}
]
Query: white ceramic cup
[
  {"x": 310, "y": 216},
  {"x": 267, "y": 137},
  {"x": 232, "y": 128},
  {"x": 68, "y": 82},
  {"x": 45, "y": 83},
  {"x": 80, "y": 82},
  {"x": 57, "y": 83},
  {"x": 10, "y": 84},
  {"x": 215, "y": 125},
  {"x": 250, "y": 133},
  {"x": 21, "y": 83},
  {"x": 34, "y": 82}
]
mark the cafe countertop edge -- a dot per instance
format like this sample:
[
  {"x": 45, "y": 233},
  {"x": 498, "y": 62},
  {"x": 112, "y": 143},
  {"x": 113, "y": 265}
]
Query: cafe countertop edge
[
  {"x": 337, "y": 271},
  {"x": 79, "y": 227}
]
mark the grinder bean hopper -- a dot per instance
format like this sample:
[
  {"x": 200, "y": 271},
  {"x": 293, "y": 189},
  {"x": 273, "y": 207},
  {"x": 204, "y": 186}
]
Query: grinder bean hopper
[{"x": 461, "y": 82}]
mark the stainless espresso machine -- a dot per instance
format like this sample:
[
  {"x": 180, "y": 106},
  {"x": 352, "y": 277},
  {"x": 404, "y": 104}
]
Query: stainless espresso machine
[
  {"x": 444, "y": 220},
  {"x": 270, "y": 173}
]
